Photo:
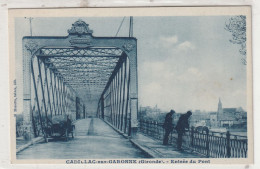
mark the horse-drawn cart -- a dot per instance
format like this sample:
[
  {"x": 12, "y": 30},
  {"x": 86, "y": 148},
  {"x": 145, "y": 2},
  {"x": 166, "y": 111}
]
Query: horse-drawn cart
[{"x": 60, "y": 128}]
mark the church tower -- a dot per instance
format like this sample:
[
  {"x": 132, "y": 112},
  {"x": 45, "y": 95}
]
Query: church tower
[{"x": 220, "y": 110}]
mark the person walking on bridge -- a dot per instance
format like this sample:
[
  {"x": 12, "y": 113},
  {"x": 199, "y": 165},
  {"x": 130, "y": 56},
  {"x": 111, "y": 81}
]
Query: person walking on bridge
[
  {"x": 168, "y": 127},
  {"x": 182, "y": 125}
]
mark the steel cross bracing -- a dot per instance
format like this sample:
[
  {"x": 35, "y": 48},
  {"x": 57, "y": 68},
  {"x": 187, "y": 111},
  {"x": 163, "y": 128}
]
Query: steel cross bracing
[
  {"x": 85, "y": 69},
  {"x": 51, "y": 96},
  {"x": 61, "y": 74},
  {"x": 114, "y": 103},
  {"x": 86, "y": 52}
]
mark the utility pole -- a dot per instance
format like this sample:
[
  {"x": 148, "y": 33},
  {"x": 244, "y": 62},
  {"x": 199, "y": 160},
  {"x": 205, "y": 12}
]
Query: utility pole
[
  {"x": 30, "y": 20},
  {"x": 131, "y": 27}
]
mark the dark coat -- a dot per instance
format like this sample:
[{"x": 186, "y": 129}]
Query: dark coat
[
  {"x": 182, "y": 124},
  {"x": 168, "y": 122}
]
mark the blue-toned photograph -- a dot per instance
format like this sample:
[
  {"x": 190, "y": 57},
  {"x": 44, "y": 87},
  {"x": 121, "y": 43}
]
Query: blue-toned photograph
[{"x": 131, "y": 87}]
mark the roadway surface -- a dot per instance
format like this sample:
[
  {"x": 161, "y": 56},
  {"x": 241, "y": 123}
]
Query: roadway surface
[{"x": 93, "y": 139}]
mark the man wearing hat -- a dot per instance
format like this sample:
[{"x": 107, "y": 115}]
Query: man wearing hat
[
  {"x": 182, "y": 124},
  {"x": 168, "y": 126}
]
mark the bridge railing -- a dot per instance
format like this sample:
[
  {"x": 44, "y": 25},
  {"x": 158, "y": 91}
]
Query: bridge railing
[{"x": 205, "y": 142}]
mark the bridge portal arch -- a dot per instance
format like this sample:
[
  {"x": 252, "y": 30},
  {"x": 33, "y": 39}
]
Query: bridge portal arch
[{"x": 101, "y": 72}]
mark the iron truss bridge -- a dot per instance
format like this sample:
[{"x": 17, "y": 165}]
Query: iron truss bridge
[{"x": 78, "y": 76}]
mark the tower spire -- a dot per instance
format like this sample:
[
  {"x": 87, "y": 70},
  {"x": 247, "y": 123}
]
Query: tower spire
[{"x": 220, "y": 110}]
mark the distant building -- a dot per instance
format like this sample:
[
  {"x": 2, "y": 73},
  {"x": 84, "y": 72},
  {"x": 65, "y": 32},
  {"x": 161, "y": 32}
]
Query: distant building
[
  {"x": 228, "y": 117},
  {"x": 199, "y": 119},
  {"x": 213, "y": 120},
  {"x": 150, "y": 113}
]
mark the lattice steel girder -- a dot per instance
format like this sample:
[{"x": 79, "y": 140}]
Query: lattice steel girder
[
  {"x": 97, "y": 69},
  {"x": 84, "y": 72},
  {"x": 86, "y": 52},
  {"x": 80, "y": 83},
  {"x": 80, "y": 60},
  {"x": 125, "y": 44},
  {"x": 84, "y": 75},
  {"x": 81, "y": 65},
  {"x": 61, "y": 66}
]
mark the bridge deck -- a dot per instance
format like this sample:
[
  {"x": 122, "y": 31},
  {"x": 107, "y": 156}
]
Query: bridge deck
[{"x": 93, "y": 139}]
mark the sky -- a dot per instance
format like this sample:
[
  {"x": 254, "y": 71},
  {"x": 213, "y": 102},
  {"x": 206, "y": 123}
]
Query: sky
[{"x": 184, "y": 62}]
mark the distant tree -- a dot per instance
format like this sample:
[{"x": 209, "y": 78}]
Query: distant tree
[{"x": 237, "y": 26}]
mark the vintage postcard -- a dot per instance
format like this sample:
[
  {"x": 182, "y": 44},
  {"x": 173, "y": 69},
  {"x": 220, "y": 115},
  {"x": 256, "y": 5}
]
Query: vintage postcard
[{"x": 159, "y": 85}]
